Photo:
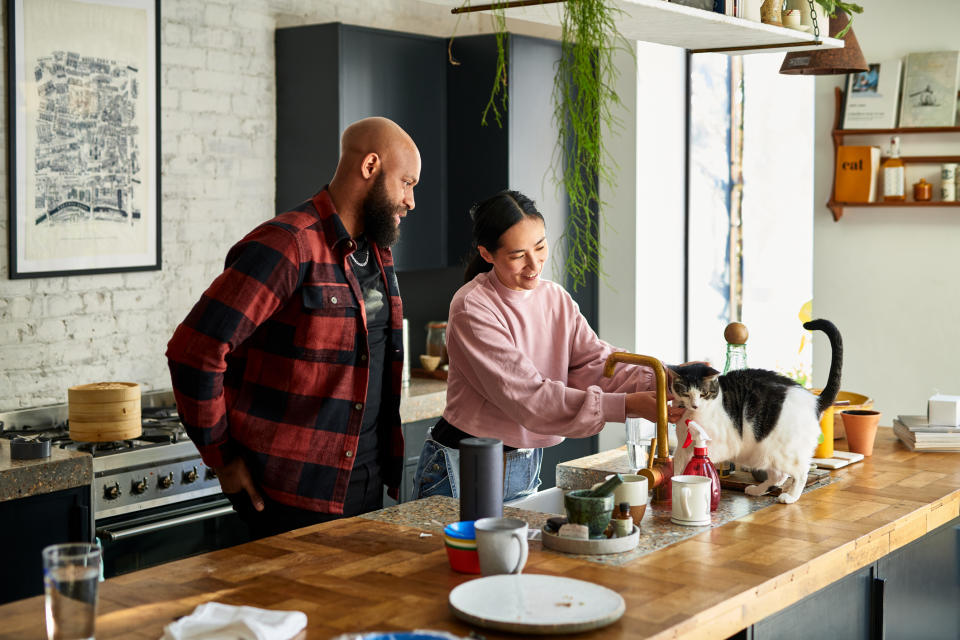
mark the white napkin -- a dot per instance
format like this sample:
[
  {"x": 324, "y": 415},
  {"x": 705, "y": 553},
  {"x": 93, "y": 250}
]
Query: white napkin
[{"x": 216, "y": 621}]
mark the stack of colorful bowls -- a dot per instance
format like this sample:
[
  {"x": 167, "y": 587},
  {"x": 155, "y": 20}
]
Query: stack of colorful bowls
[{"x": 460, "y": 539}]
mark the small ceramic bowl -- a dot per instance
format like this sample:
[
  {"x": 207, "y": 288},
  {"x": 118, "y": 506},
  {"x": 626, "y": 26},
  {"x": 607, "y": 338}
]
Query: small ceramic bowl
[
  {"x": 463, "y": 529},
  {"x": 463, "y": 560},
  {"x": 429, "y": 362},
  {"x": 584, "y": 509}
]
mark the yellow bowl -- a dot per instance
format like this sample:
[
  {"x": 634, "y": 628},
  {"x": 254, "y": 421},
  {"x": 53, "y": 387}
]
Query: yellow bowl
[{"x": 855, "y": 400}]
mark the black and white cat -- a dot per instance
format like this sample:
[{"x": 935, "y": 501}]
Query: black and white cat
[{"x": 757, "y": 418}]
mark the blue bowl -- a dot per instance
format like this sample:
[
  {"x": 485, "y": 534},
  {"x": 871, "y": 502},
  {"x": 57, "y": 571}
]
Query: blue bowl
[{"x": 463, "y": 530}]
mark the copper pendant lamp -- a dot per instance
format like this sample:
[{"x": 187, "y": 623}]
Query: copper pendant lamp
[{"x": 822, "y": 62}]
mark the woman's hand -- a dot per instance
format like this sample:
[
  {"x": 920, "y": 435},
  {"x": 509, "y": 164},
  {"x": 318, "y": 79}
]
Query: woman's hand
[{"x": 643, "y": 404}]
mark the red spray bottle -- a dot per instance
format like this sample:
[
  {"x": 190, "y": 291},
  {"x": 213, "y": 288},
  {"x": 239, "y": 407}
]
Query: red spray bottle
[{"x": 700, "y": 464}]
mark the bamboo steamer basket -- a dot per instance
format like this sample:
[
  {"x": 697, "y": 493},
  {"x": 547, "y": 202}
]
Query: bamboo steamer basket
[{"x": 104, "y": 411}]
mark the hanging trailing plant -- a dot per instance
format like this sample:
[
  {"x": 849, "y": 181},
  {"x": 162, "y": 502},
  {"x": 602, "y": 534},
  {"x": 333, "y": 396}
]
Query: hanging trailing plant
[
  {"x": 498, "y": 93},
  {"x": 584, "y": 101}
]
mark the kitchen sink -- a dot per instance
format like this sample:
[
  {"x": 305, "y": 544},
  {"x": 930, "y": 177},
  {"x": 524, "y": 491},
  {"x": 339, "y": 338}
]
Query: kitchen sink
[{"x": 546, "y": 501}]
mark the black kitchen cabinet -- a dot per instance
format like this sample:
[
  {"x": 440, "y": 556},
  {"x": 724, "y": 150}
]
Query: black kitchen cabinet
[
  {"x": 519, "y": 155},
  {"x": 840, "y": 610},
  {"x": 29, "y": 525},
  {"x": 414, "y": 434},
  {"x": 920, "y": 586},
  {"x": 331, "y": 75},
  {"x": 911, "y": 592}
]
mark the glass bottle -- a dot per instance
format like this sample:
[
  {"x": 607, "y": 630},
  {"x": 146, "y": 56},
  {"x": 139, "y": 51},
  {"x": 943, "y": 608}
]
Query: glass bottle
[
  {"x": 437, "y": 340},
  {"x": 736, "y": 336},
  {"x": 893, "y": 176}
]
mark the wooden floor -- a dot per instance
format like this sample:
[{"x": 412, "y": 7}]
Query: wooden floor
[{"x": 363, "y": 575}]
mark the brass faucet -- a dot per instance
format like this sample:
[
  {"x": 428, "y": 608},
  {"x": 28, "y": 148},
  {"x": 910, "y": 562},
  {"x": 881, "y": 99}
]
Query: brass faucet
[{"x": 660, "y": 468}]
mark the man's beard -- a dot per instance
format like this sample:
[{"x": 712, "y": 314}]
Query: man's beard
[{"x": 378, "y": 212}]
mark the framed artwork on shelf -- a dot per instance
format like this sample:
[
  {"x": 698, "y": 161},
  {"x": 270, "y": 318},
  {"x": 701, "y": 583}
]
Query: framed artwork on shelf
[
  {"x": 930, "y": 89},
  {"x": 84, "y": 153},
  {"x": 873, "y": 96}
]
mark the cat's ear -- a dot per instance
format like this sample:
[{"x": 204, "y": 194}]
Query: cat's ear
[{"x": 711, "y": 372}]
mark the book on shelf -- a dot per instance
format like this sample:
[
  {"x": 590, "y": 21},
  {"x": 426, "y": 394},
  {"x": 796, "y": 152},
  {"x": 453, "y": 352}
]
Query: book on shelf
[
  {"x": 921, "y": 424},
  {"x": 857, "y": 170},
  {"x": 873, "y": 97},
  {"x": 930, "y": 83}
]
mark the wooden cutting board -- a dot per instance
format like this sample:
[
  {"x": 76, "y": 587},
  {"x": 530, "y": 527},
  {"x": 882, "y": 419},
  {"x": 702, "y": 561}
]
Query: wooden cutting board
[{"x": 739, "y": 480}]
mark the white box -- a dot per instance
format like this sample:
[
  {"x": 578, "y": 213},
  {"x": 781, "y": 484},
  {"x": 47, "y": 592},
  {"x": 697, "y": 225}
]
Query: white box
[{"x": 943, "y": 410}]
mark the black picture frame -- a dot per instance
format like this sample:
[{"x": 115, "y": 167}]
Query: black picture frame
[{"x": 84, "y": 146}]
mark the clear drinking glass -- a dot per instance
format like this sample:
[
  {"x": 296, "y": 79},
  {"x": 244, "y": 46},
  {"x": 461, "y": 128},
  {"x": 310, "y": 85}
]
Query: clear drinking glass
[
  {"x": 71, "y": 573},
  {"x": 639, "y": 434}
]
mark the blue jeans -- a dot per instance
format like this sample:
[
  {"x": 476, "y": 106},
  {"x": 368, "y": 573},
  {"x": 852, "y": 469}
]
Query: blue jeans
[{"x": 438, "y": 473}]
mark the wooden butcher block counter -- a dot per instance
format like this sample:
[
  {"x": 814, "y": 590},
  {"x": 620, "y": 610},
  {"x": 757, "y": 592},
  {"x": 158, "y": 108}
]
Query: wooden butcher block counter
[{"x": 366, "y": 574}]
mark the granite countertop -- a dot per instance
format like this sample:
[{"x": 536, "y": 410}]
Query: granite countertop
[
  {"x": 424, "y": 398},
  {"x": 24, "y": 478}
]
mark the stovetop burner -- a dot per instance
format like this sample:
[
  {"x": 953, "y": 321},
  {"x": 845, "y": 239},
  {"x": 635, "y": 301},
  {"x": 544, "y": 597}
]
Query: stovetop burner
[{"x": 161, "y": 425}]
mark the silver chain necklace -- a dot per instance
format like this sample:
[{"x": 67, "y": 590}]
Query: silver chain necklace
[{"x": 365, "y": 260}]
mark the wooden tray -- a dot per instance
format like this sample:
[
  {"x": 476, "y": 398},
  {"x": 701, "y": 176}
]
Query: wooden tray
[
  {"x": 436, "y": 374},
  {"x": 597, "y": 547},
  {"x": 739, "y": 480}
]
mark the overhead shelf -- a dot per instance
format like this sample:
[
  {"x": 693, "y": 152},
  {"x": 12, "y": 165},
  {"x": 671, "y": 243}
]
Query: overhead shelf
[{"x": 676, "y": 25}]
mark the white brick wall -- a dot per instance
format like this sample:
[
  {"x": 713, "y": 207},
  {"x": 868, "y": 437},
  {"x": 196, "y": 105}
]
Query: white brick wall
[{"x": 218, "y": 124}]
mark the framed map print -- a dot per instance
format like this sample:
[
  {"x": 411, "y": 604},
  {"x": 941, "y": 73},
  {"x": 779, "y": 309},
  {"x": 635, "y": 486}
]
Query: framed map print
[{"x": 85, "y": 147}]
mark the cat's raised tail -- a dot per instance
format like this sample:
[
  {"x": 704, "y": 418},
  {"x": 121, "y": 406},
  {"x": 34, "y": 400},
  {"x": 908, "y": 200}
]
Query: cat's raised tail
[{"x": 829, "y": 393}]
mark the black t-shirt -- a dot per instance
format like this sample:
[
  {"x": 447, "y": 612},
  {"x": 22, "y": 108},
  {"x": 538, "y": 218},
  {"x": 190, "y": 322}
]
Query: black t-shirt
[{"x": 376, "y": 303}]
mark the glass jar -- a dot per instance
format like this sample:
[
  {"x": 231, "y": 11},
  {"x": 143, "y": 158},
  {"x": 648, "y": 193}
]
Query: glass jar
[{"x": 437, "y": 340}]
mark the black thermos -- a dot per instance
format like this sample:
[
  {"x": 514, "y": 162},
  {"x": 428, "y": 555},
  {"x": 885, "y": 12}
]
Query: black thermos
[{"x": 481, "y": 478}]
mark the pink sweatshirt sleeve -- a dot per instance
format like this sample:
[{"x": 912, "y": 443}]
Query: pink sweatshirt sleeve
[
  {"x": 588, "y": 354},
  {"x": 507, "y": 378}
]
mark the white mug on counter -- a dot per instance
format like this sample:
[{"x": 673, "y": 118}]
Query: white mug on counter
[
  {"x": 634, "y": 491},
  {"x": 691, "y": 500},
  {"x": 501, "y": 545}
]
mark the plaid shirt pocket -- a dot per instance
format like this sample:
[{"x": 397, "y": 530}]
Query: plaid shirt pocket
[{"x": 329, "y": 323}]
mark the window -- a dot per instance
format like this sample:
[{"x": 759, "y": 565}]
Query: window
[{"x": 750, "y": 213}]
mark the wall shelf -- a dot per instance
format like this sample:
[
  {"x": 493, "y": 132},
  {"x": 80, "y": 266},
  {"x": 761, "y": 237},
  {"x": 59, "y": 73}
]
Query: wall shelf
[
  {"x": 840, "y": 134},
  {"x": 676, "y": 25}
]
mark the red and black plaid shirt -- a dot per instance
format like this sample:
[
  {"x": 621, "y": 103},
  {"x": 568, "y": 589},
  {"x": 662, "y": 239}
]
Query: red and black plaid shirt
[{"x": 271, "y": 363}]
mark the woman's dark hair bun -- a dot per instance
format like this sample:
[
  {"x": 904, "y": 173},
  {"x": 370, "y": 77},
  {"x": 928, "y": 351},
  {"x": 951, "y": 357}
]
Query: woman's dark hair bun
[{"x": 491, "y": 218}]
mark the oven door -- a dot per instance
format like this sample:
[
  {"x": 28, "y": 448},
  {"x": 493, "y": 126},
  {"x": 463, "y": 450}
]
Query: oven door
[{"x": 147, "y": 538}]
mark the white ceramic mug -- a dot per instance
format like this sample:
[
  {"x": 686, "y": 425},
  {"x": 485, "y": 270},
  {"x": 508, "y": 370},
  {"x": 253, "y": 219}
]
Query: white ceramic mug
[
  {"x": 691, "y": 500},
  {"x": 501, "y": 545},
  {"x": 634, "y": 491}
]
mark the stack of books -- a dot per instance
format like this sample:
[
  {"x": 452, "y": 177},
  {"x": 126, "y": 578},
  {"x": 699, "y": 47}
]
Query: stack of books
[{"x": 919, "y": 435}]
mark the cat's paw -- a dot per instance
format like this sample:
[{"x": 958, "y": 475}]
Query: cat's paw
[
  {"x": 755, "y": 490},
  {"x": 787, "y": 498}
]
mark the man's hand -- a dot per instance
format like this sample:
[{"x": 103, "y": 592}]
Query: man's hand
[
  {"x": 235, "y": 477},
  {"x": 643, "y": 404}
]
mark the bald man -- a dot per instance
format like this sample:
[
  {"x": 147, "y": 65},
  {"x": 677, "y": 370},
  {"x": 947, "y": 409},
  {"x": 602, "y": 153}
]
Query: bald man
[{"x": 287, "y": 371}]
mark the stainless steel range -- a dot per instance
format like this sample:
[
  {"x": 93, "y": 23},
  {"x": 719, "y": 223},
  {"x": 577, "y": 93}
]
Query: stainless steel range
[{"x": 153, "y": 499}]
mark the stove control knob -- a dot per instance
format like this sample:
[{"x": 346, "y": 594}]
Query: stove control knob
[
  {"x": 111, "y": 492},
  {"x": 210, "y": 474},
  {"x": 190, "y": 476},
  {"x": 166, "y": 481},
  {"x": 138, "y": 486}
]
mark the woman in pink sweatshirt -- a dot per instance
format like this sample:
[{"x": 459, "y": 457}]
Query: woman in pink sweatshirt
[{"x": 525, "y": 367}]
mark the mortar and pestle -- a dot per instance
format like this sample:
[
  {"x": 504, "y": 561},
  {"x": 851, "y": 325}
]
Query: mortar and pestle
[
  {"x": 592, "y": 507},
  {"x": 660, "y": 468}
]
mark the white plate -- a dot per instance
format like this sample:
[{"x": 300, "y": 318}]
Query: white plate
[{"x": 537, "y": 604}]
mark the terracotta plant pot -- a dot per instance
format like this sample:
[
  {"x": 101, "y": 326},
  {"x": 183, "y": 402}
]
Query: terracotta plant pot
[{"x": 861, "y": 428}]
